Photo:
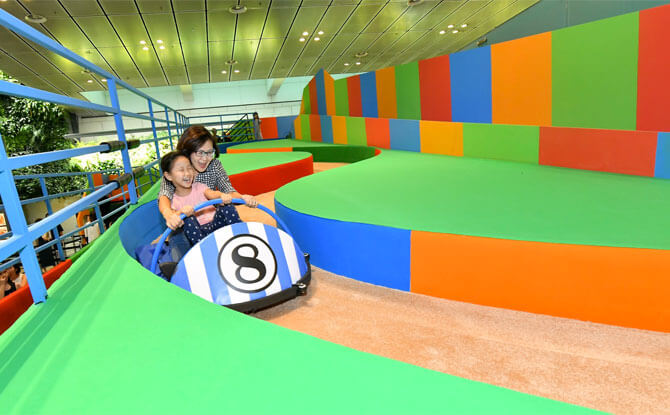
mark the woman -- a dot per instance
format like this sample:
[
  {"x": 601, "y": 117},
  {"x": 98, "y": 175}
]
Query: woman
[{"x": 200, "y": 147}]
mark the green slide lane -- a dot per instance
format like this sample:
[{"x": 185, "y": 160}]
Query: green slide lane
[
  {"x": 114, "y": 339},
  {"x": 489, "y": 198},
  {"x": 286, "y": 142}
]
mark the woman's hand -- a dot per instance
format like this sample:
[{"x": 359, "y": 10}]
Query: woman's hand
[
  {"x": 173, "y": 220},
  {"x": 226, "y": 198},
  {"x": 250, "y": 201}
]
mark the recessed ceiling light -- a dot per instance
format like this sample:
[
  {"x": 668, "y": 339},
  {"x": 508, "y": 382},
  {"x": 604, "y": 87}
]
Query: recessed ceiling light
[
  {"x": 454, "y": 31},
  {"x": 236, "y": 71},
  {"x": 346, "y": 64},
  {"x": 224, "y": 72},
  {"x": 90, "y": 81},
  {"x": 317, "y": 38},
  {"x": 320, "y": 32},
  {"x": 145, "y": 48},
  {"x": 305, "y": 33},
  {"x": 238, "y": 9},
  {"x": 414, "y": 2},
  {"x": 302, "y": 39},
  {"x": 464, "y": 25},
  {"x": 142, "y": 42},
  {"x": 161, "y": 47},
  {"x": 159, "y": 41},
  {"x": 104, "y": 80},
  {"x": 442, "y": 32},
  {"x": 361, "y": 54},
  {"x": 450, "y": 26},
  {"x": 358, "y": 63},
  {"x": 35, "y": 18}
]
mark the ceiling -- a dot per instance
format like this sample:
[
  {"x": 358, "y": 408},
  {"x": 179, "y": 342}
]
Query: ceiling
[{"x": 199, "y": 36}]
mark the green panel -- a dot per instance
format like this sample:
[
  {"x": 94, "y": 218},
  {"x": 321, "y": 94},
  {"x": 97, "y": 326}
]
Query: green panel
[
  {"x": 307, "y": 108},
  {"x": 304, "y": 127},
  {"x": 502, "y": 142},
  {"x": 408, "y": 94},
  {"x": 356, "y": 131},
  {"x": 339, "y": 154},
  {"x": 594, "y": 74},
  {"x": 341, "y": 97}
]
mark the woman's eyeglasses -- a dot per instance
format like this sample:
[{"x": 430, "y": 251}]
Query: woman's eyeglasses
[{"x": 203, "y": 154}]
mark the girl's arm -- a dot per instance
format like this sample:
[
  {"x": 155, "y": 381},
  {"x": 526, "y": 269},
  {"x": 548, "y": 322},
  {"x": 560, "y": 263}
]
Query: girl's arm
[
  {"x": 171, "y": 216},
  {"x": 226, "y": 198}
]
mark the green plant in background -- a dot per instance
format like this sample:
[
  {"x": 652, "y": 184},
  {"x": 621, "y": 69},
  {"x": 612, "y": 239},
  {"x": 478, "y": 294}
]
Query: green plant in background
[{"x": 28, "y": 126}]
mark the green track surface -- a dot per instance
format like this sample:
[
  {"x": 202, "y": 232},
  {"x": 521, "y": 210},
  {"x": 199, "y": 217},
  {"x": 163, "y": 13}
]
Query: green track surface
[
  {"x": 490, "y": 198},
  {"x": 114, "y": 339}
]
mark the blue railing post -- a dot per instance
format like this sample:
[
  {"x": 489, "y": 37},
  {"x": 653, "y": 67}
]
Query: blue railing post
[
  {"x": 121, "y": 133},
  {"x": 98, "y": 212},
  {"x": 153, "y": 128},
  {"x": 54, "y": 232},
  {"x": 17, "y": 222},
  {"x": 167, "y": 119}
]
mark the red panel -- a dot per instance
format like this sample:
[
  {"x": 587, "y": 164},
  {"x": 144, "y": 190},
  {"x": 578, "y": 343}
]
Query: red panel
[
  {"x": 313, "y": 103},
  {"x": 615, "y": 151},
  {"x": 15, "y": 304},
  {"x": 271, "y": 178},
  {"x": 315, "y": 127},
  {"x": 269, "y": 128},
  {"x": 377, "y": 132},
  {"x": 233, "y": 150},
  {"x": 354, "y": 92},
  {"x": 653, "y": 82},
  {"x": 435, "y": 89}
]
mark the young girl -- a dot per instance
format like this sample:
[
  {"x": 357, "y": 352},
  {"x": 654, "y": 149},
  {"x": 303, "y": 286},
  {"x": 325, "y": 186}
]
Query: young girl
[{"x": 178, "y": 170}]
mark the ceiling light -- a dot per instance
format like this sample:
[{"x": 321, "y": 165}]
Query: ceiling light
[
  {"x": 346, "y": 64},
  {"x": 454, "y": 31},
  {"x": 442, "y": 32},
  {"x": 414, "y": 2},
  {"x": 35, "y": 18},
  {"x": 90, "y": 81},
  {"x": 464, "y": 25},
  {"x": 159, "y": 41},
  {"x": 302, "y": 39},
  {"x": 320, "y": 32},
  {"x": 236, "y": 71},
  {"x": 317, "y": 38},
  {"x": 142, "y": 42},
  {"x": 358, "y": 63},
  {"x": 161, "y": 47},
  {"x": 361, "y": 54},
  {"x": 231, "y": 62},
  {"x": 145, "y": 48},
  {"x": 305, "y": 33},
  {"x": 450, "y": 26},
  {"x": 104, "y": 80},
  {"x": 238, "y": 9}
]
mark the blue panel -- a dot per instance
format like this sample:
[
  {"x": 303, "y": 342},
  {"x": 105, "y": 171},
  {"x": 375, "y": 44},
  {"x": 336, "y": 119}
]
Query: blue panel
[
  {"x": 369, "y": 94},
  {"x": 405, "y": 135},
  {"x": 321, "y": 92},
  {"x": 375, "y": 254},
  {"x": 141, "y": 226},
  {"x": 285, "y": 126},
  {"x": 471, "y": 85},
  {"x": 326, "y": 129},
  {"x": 662, "y": 168}
]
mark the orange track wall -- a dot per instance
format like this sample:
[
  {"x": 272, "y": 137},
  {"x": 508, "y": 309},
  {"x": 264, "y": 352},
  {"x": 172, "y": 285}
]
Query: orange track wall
[
  {"x": 621, "y": 286},
  {"x": 339, "y": 129},
  {"x": 377, "y": 132},
  {"x": 313, "y": 99},
  {"x": 315, "y": 127},
  {"x": 269, "y": 127},
  {"x": 386, "y": 94},
  {"x": 354, "y": 92},
  {"x": 521, "y": 81},
  {"x": 270, "y": 178},
  {"x": 616, "y": 151},
  {"x": 440, "y": 137},
  {"x": 233, "y": 150},
  {"x": 435, "y": 88},
  {"x": 297, "y": 127}
]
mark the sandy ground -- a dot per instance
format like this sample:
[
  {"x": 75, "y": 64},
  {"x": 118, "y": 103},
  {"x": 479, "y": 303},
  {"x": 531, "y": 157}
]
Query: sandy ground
[{"x": 609, "y": 368}]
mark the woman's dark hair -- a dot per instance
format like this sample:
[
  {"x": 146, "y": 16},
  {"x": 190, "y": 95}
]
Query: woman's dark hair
[
  {"x": 193, "y": 138},
  {"x": 168, "y": 160}
]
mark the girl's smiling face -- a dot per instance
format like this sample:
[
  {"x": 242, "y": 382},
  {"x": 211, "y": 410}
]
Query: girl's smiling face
[
  {"x": 201, "y": 158},
  {"x": 181, "y": 173}
]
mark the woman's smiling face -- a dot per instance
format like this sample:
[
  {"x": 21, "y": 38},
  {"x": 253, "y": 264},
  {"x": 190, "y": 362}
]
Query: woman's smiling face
[{"x": 201, "y": 158}]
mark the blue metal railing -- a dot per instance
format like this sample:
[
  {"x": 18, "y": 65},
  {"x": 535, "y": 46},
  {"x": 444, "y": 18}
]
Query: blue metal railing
[{"x": 22, "y": 235}]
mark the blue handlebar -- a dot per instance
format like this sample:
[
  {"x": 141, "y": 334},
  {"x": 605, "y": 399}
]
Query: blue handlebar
[{"x": 161, "y": 241}]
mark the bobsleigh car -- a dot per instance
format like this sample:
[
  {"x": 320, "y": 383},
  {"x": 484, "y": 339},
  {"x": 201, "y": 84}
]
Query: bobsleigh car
[{"x": 246, "y": 266}]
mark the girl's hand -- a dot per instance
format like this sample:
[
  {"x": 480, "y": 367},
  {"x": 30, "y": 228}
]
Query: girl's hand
[
  {"x": 226, "y": 198},
  {"x": 173, "y": 221},
  {"x": 250, "y": 201},
  {"x": 187, "y": 210}
]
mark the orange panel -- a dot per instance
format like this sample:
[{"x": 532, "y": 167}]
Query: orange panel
[
  {"x": 521, "y": 80},
  {"x": 386, "y": 97},
  {"x": 330, "y": 93},
  {"x": 621, "y": 286},
  {"x": 297, "y": 127},
  {"x": 441, "y": 137},
  {"x": 339, "y": 129},
  {"x": 269, "y": 127}
]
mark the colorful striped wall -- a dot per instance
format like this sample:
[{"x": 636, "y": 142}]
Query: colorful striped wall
[
  {"x": 592, "y": 96},
  {"x": 277, "y": 127}
]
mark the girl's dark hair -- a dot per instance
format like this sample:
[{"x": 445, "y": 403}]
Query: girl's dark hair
[
  {"x": 193, "y": 138},
  {"x": 168, "y": 160}
]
